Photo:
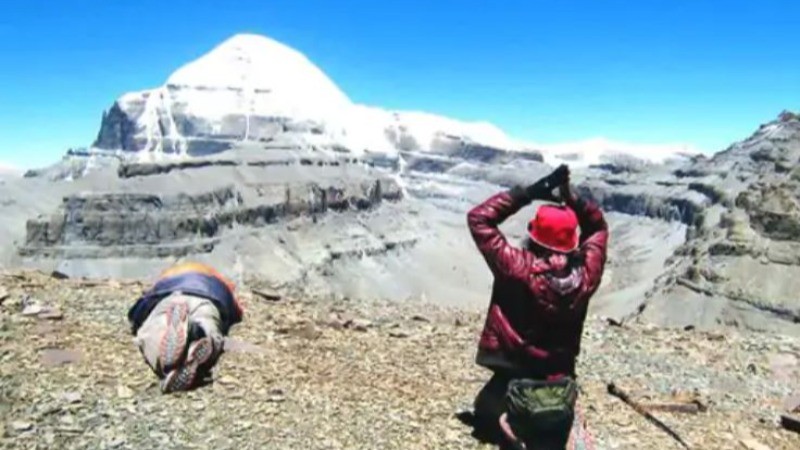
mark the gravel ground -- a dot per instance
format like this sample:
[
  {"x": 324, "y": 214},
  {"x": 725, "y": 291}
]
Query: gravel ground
[{"x": 324, "y": 375}]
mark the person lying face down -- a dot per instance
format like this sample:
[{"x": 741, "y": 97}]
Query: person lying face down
[
  {"x": 540, "y": 296},
  {"x": 181, "y": 321}
]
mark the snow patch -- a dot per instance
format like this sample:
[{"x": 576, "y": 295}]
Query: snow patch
[
  {"x": 178, "y": 141},
  {"x": 601, "y": 150},
  {"x": 387, "y": 131},
  {"x": 149, "y": 122},
  {"x": 425, "y": 127}
]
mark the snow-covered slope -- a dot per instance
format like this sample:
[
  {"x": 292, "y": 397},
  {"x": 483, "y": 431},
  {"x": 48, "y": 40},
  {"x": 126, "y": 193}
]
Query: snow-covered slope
[
  {"x": 600, "y": 151},
  {"x": 269, "y": 78}
]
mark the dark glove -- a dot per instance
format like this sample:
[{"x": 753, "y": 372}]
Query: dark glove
[{"x": 543, "y": 189}]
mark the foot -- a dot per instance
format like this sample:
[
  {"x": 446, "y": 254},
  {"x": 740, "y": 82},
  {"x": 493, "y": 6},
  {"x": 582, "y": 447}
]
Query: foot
[
  {"x": 173, "y": 341},
  {"x": 512, "y": 438},
  {"x": 184, "y": 377}
]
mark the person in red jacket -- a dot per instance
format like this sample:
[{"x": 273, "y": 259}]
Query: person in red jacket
[{"x": 541, "y": 292}]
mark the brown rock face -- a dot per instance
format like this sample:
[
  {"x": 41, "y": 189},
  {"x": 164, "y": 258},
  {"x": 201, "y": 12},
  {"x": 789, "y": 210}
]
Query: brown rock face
[{"x": 747, "y": 252}]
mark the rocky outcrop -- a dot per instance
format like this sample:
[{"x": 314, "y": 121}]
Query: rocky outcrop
[
  {"x": 118, "y": 128},
  {"x": 674, "y": 204},
  {"x": 740, "y": 264},
  {"x": 149, "y": 225},
  {"x": 76, "y": 165},
  {"x": 773, "y": 209},
  {"x": 130, "y": 170}
]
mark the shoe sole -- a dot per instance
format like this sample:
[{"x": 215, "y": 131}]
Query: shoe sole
[
  {"x": 183, "y": 378},
  {"x": 173, "y": 341}
]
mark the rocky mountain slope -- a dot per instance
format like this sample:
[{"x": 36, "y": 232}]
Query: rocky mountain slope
[
  {"x": 740, "y": 263},
  {"x": 320, "y": 375},
  {"x": 252, "y": 159}
]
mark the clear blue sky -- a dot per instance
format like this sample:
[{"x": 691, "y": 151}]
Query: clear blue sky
[{"x": 702, "y": 72}]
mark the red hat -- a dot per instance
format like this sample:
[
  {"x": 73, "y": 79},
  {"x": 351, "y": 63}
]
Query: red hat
[{"x": 555, "y": 228}]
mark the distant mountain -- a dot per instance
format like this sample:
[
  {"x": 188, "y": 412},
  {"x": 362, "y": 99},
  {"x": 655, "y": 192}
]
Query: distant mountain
[
  {"x": 251, "y": 158},
  {"x": 252, "y": 88}
]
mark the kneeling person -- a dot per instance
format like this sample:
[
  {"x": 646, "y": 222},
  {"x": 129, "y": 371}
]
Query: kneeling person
[
  {"x": 180, "y": 323},
  {"x": 540, "y": 297}
]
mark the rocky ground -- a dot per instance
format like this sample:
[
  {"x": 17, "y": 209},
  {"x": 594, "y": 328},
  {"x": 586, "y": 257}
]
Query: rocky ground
[{"x": 324, "y": 375}]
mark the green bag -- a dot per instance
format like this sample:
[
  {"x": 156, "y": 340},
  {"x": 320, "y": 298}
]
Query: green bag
[{"x": 542, "y": 411}]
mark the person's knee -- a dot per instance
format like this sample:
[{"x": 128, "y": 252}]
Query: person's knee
[{"x": 490, "y": 402}]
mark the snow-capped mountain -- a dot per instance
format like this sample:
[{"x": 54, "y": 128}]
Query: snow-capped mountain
[{"x": 252, "y": 88}]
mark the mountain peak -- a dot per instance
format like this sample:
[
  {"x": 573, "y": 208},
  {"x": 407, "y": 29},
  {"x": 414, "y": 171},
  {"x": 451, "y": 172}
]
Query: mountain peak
[
  {"x": 257, "y": 64},
  {"x": 254, "y": 88}
]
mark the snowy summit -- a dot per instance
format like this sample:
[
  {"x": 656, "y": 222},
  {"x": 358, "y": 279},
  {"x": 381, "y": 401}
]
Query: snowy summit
[{"x": 268, "y": 78}]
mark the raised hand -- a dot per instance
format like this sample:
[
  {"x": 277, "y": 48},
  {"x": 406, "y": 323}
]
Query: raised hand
[
  {"x": 543, "y": 189},
  {"x": 559, "y": 177},
  {"x": 565, "y": 190}
]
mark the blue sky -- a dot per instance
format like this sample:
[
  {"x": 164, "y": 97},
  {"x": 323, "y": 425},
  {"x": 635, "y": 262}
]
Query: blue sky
[{"x": 701, "y": 72}]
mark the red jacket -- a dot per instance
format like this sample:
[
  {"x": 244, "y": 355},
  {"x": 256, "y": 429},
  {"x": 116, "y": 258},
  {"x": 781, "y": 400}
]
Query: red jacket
[{"x": 531, "y": 327}]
